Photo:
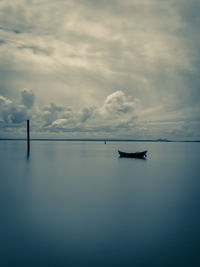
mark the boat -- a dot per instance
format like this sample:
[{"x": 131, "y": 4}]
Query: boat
[{"x": 133, "y": 155}]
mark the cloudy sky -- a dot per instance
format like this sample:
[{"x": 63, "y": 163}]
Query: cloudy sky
[{"x": 100, "y": 68}]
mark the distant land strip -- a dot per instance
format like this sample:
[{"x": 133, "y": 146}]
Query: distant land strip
[{"x": 97, "y": 140}]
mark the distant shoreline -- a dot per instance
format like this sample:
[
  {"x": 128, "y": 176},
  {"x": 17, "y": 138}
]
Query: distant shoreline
[{"x": 98, "y": 140}]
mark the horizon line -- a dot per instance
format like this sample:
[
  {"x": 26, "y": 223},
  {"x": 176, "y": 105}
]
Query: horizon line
[{"x": 97, "y": 140}]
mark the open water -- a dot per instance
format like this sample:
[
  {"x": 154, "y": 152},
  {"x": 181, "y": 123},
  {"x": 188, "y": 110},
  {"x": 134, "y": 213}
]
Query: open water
[{"x": 79, "y": 204}]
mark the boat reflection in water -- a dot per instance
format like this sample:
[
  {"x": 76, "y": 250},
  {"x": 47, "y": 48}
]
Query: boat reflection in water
[{"x": 140, "y": 155}]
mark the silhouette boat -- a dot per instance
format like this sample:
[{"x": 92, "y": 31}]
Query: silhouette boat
[{"x": 133, "y": 155}]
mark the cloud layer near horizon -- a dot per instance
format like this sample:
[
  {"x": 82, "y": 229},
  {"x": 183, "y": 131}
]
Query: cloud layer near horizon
[
  {"x": 119, "y": 116},
  {"x": 75, "y": 54},
  {"x": 117, "y": 112}
]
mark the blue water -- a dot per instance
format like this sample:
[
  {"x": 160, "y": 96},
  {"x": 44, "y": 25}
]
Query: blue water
[{"x": 79, "y": 204}]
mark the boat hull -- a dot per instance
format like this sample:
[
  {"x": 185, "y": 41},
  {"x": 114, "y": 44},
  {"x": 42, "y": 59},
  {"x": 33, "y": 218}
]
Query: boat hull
[{"x": 133, "y": 155}]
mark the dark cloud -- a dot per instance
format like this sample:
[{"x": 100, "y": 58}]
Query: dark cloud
[
  {"x": 12, "y": 113},
  {"x": 2, "y": 41},
  {"x": 10, "y": 30},
  {"x": 15, "y": 114},
  {"x": 27, "y": 98}
]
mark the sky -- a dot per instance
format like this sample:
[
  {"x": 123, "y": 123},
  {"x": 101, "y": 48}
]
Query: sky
[{"x": 100, "y": 69}]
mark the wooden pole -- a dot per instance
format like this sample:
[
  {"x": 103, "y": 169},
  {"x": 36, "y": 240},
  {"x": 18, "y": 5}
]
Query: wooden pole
[{"x": 28, "y": 137}]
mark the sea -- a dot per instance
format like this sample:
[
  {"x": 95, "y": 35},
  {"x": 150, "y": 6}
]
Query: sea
[{"x": 77, "y": 203}]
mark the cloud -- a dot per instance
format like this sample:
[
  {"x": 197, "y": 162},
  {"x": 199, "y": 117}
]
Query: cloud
[
  {"x": 117, "y": 104},
  {"x": 116, "y": 112},
  {"x": 10, "y": 30},
  {"x": 52, "y": 112},
  {"x": 71, "y": 57},
  {"x": 4, "y": 102},
  {"x": 35, "y": 49},
  {"x": 87, "y": 114},
  {"x": 27, "y": 98},
  {"x": 2, "y": 42},
  {"x": 119, "y": 116},
  {"x": 13, "y": 113}
]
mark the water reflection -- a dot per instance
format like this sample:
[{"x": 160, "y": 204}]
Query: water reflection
[
  {"x": 27, "y": 155},
  {"x": 130, "y": 158}
]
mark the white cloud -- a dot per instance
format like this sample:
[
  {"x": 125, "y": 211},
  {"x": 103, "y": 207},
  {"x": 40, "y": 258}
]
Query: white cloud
[
  {"x": 4, "y": 102},
  {"x": 117, "y": 104},
  {"x": 117, "y": 111}
]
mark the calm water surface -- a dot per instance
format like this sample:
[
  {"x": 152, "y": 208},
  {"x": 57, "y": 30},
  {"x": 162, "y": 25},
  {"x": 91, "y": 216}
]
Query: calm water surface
[{"x": 79, "y": 204}]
